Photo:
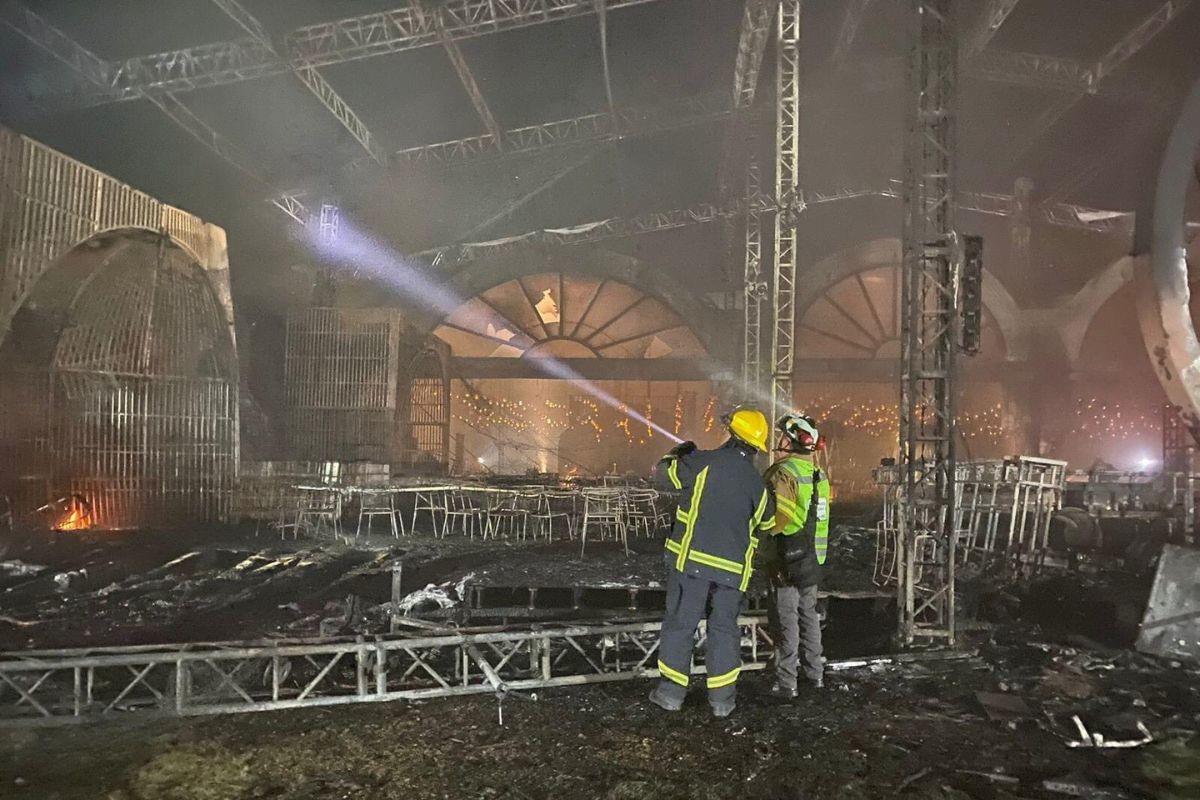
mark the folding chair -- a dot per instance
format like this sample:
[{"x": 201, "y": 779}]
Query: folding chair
[
  {"x": 433, "y": 501},
  {"x": 550, "y": 505},
  {"x": 464, "y": 510},
  {"x": 320, "y": 508},
  {"x": 504, "y": 508},
  {"x": 606, "y": 509},
  {"x": 378, "y": 504}
]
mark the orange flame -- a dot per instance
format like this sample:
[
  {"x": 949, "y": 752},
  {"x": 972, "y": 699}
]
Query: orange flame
[{"x": 77, "y": 516}]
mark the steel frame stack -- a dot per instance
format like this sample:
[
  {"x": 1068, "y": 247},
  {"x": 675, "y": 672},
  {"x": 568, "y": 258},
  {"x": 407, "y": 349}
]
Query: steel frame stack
[
  {"x": 929, "y": 335},
  {"x": 787, "y": 198},
  {"x": 1002, "y": 514},
  {"x": 63, "y": 686}
]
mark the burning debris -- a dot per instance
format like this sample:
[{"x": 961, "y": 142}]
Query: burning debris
[{"x": 70, "y": 513}]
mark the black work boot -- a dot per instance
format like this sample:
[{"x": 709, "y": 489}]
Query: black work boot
[
  {"x": 781, "y": 692},
  {"x": 665, "y": 702},
  {"x": 722, "y": 710}
]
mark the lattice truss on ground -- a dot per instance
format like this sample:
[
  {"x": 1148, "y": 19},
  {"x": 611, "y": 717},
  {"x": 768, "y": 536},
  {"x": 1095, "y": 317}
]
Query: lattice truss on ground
[{"x": 49, "y": 687}]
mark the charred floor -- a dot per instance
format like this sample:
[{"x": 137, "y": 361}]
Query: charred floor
[
  {"x": 1045, "y": 670},
  {"x": 599, "y": 398}
]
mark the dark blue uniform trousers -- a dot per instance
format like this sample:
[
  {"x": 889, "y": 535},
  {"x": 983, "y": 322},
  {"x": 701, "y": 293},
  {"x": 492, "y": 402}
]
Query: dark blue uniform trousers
[{"x": 688, "y": 597}]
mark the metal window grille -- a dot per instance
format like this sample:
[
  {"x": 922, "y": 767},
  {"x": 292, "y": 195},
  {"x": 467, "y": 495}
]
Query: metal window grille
[
  {"x": 429, "y": 413},
  {"x": 340, "y": 368}
]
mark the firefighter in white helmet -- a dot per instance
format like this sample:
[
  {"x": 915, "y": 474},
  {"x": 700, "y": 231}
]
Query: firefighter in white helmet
[{"x": 795, "y": 550}]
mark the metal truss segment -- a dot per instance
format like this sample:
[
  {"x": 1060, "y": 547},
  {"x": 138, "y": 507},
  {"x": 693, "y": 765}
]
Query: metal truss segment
[
  {"x": 244, "y": 19},
  {"x": 48, "y": 687},
  {"x": 929, "y": 334},
  {"x": 602, "y": 126},
  {"x": 754, "y": 290},
  {"x": 202, "y": 132},
  {"x": 462, "y": 69},
  {"x": 321, "y": 89},
  {"x": 39, "y": 32},
  {"x": 752, "y": 43},
  {"x": 990, "y": 21},
  {"x": 311, "y": 79},
  {"x": 756, "y": 203},
  {"x": 1133, "y": 41},
  {"x": 787, "y": 199},
  {"x": 1035, "y": 70},
  {"x": 87, "y": 65},
  {"x": 1122, "y": 51},
  {"x": 185, "y": 70},
  {"x": 291, "y": 205},
  {"x": 323, "y": 44}
]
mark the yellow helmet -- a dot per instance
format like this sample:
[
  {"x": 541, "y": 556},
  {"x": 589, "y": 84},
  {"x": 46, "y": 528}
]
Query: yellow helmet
[{"x": 750, "y": 425}]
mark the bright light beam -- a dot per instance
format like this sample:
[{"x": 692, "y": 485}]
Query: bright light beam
[{"x": 355, "y": 251}]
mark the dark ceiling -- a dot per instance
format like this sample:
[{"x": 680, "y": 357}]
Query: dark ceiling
[{"x": 1100, "y": 152}]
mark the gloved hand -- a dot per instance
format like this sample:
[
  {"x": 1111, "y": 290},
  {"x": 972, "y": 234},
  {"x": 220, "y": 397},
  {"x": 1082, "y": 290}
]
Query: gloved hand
[{"x": 682, "y": 449}]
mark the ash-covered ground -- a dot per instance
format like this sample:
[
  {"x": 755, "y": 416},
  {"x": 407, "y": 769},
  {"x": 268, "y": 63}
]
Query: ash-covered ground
[
  {"x": 994, "y": 726},
  {"x": 71, "y": 590},
  {"x": 997, "y": 723}
]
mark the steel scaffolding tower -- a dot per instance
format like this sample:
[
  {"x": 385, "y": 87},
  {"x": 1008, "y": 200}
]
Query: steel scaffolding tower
[
  {"x": 755, "y": 290},
  {"x": 929, "y": 333},
  {"x": 787, "y": 181}
]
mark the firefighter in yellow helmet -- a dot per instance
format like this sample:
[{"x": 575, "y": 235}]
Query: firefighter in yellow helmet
[
  {"x": 794, "y": 552},
  {"x": 723, "y": 505}
]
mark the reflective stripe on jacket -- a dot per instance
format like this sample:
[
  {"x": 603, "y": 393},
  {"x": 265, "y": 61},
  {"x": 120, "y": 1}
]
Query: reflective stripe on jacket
[
  {"x": 802, "y": 509},
  {"x": 723, "y": 505}
]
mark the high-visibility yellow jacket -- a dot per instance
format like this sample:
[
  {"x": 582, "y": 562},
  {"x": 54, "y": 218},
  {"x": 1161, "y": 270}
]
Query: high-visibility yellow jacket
[
  {"x": 801, "y": 493},
  {"x": 723, "y": 506}
]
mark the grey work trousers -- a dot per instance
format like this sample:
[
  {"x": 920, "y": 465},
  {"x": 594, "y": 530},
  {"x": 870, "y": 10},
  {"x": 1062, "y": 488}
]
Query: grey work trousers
[
  {"x": 687, "y": 600},
  {"x": 797, "y": 627}
]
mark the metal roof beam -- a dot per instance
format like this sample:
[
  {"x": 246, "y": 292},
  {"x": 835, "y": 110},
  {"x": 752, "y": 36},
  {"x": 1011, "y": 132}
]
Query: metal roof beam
[
  {"x": 37, "y": 31},
  {"x": 88, "y": 66},
  {"x": 1136, "y": 39},
  {"x": 599, "y": 127},
  {"x": 752, "y": 43},
  {"x": 311, "y": 78},
  {"x": 989, "y": 23},
  {"x": 291, "y": 205},
  {"x": 335, "y": 42},
  {"x": 461, "y": 68},
  {"x": 990, "y": 203},
  {"x": 204, "y": 133},
  {"x": 1030, "y": 69},
  {"x": 1118, "y": 54},
  {"x": 753, "y": 33}
]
